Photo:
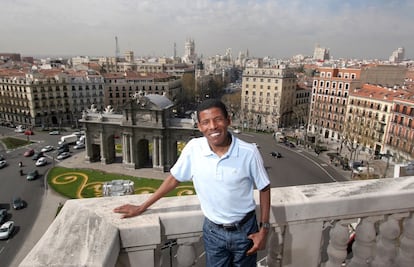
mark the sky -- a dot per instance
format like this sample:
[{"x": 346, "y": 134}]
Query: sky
[{"x": 370, "y": 29}]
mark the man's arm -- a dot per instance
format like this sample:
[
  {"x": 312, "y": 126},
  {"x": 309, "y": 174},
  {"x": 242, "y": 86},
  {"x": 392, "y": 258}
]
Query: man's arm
[
  {"x": 129, "y": 210},
  {"x": 259, "y": 238}
]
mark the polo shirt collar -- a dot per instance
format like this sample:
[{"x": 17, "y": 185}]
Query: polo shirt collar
[{"x": 232, "y": 152}]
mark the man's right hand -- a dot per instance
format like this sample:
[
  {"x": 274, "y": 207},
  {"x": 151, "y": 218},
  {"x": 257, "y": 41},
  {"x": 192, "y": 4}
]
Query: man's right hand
[{"x": 129, "y": 210}]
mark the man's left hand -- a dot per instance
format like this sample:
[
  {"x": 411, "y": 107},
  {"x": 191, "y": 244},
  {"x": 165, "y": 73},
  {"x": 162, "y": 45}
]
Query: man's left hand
[{"x": 259, "y": 241}]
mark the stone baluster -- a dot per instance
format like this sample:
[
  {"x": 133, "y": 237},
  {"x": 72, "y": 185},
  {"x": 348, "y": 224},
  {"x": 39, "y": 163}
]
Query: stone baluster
[
  {"x": 338, "y": 239},
  {"x": 405, "y": 257},
  {"x": 186, "y": 252},
  {"x": 386, "y": 250},
  {"x": 363, "y": 247}
]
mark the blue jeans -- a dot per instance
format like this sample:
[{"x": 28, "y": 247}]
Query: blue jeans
[{"x": 228, "y": 248}]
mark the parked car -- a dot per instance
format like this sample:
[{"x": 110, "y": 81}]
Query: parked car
[
  {"x": 32, "y": 175},
  {"x": 63, "y": 155},
  {"x": 3, "y": 164},
  {"x": 237, "y": 131},
  {"x": 41, "y": 162},
  {"x": 6, "y": 230},
  {"x": 276, "y": 154},
  {"x": 54, "y": 133},
  {"x": 3, "y": 215},
  {"x": 37, "y": 155},
  {"x": 47, "y": 149},
  {"x": 17, "y": 203},
  {"x": 79, "y": 146},
  {"x": 29, "y": 153}
]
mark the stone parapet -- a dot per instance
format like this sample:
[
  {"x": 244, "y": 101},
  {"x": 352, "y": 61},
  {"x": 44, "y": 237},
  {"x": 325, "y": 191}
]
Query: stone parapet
[{"x": 310, "y": 227}]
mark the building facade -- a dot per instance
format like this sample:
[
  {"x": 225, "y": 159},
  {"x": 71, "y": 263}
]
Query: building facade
[
  {"x": 330, "y": 91},
  {"x": 400, "y": 140},
  {"x": 48, "y": 98},
  {"x": 369, "y": 113},
  {"x": 268, "y": 97},
  {"x": 120, "y": 87}
]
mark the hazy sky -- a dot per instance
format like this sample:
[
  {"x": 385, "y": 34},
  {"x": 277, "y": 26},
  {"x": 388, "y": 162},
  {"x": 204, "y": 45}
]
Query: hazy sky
[{"x": 277, "y": 28}]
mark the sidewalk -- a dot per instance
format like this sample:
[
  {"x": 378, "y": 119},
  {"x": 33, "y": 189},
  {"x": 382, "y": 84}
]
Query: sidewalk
[{"x": 380, "y": 165}]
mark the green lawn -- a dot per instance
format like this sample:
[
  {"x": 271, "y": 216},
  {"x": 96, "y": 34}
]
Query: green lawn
[
  {"x": 86, "y": 183},
  {"x": 11, "y": 142}
]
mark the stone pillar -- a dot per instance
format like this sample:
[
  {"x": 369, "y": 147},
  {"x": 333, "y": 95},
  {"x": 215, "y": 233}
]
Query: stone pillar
[
  {"x": 155, "y": 156},
  {"x": 297, "y": 238},
  {"x": 104, "y": 149},
  {"x": 131, "y": 150},
  {"x": 160, "y": 152},
  {"x": 338, "y": 239},
  {"x": 363, "y": 247},
  {"x": 386, "y": 251},
  {"x": 125, "y": 148},
  {"x": 405, "y": 257}
]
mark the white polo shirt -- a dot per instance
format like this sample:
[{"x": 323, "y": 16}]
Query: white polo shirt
[{"x": 224, "y": 185}]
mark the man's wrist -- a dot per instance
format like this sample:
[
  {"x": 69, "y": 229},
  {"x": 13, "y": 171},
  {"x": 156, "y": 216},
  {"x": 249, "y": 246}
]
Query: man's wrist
[{"x": 264, "y": 225}]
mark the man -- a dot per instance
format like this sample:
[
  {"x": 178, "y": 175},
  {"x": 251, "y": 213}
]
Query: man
[{"x": 224, "y": 170}]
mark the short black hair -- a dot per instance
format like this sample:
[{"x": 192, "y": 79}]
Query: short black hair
[{"x": 212, "y": 103}]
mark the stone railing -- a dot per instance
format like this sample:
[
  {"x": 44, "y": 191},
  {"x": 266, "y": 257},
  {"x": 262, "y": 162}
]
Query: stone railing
[{"x": 310, "y": 227}]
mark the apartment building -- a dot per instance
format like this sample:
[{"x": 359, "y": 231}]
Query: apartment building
[
  {"x": 268, "y": 98},
  {"x": 400, "y": 138},
  {"x": 369, "y": 113},
  {"x": 330, "y": 91},
  {"x": 331, "y": 88},
  {"x": 120, "y": 87},
  {"x": 48, "y": 98}
]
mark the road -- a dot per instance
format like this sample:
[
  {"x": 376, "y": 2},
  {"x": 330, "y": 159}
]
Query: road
[
  {"x": 296, "y": 167},
  {"x": 12, "y": 184}
]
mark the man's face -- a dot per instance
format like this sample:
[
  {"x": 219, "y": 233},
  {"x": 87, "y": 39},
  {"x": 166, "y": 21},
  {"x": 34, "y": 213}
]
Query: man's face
[{"x": 213, "y": 124}]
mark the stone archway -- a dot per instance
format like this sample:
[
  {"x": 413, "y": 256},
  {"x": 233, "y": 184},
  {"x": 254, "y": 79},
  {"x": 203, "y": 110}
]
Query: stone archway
[{"x": 147, "y": 130}]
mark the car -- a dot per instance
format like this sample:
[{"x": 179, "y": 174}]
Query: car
[
  {"x": 79, "y": 146},
  {"x": 17, "y": 203},
  {"x": 28, "y": 132},
  {"x": 6, "y": 230},
  {"x": 54, "y": 133},
  {"x": 19, "y": 130},
  {"x": 29, "y": 153},
  {"x": 276, "y": 154},
  {"x": 41, "y": 162},
  {"x": 63, "y": 149},
  {"x": 237, "y": 131},
  {"x": 3, "y": 164},
  {"x": 3, "y": 215},
  {"x": 32, "y": 175},
  {"x": 47, "y": 149},
  {"x": 63, "y": 155},
  {"x": 37, "y": 155},
  {"x": 289, "y": 144}
]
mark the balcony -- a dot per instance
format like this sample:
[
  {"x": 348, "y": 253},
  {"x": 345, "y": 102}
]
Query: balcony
[{"x": 310, "y": 227}]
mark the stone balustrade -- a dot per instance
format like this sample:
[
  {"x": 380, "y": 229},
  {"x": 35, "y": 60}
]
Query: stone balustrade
[{"x": 310, "y": 227}]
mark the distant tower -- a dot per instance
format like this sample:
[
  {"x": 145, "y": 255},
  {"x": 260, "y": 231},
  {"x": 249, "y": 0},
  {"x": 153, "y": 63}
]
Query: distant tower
[
  {"x": 189, "y": 52},
  {"x": 117, "y": 53},
  {"x": 397, "y": 55},
  {"x": 175, "y": 50},
  {"x": 320, "y": 53}
]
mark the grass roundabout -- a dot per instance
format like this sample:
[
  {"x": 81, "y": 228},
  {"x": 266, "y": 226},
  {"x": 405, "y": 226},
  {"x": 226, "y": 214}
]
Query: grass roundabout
[{"x": 87, "y": 183}]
